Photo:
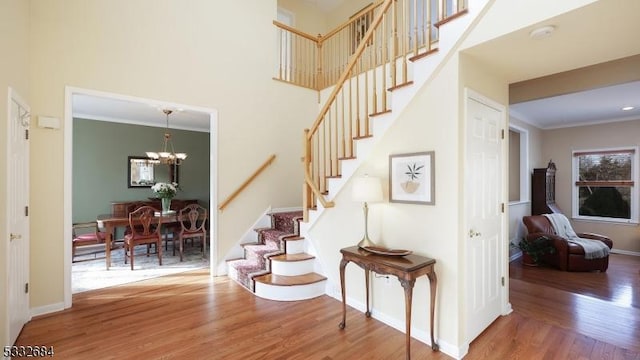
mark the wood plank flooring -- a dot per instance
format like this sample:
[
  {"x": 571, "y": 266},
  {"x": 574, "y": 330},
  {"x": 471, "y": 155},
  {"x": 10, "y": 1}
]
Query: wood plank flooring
[{"x": 190, "y": 316}]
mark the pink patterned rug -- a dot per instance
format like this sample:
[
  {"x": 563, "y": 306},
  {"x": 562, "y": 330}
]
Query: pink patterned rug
[{"x": 270, "y": 243}]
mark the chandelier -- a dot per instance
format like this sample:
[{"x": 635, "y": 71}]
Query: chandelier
[{"x": 168, "y": 154}]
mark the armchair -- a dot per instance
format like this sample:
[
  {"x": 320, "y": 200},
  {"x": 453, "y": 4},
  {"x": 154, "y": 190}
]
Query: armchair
[
  {"x": 568, "y": 256},
  {"x": 84, "y": 234}
]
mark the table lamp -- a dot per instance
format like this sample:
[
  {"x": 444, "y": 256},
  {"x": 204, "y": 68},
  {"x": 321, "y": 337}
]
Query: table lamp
[{"x": 366, "y": 189}]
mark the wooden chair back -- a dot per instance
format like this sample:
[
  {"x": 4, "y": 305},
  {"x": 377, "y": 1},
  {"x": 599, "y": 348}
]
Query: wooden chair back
[
  {"x": 193, "y": 218},
  {"x": 143, "y": 222}
]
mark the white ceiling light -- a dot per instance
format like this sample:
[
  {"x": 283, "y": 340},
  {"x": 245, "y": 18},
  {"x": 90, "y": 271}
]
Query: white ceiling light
[
  {"x": 627, "y": 108},
  {"x": 542, "y": 32}
]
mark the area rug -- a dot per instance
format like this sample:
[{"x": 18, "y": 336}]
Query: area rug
[{"x": 90, "y": 274}]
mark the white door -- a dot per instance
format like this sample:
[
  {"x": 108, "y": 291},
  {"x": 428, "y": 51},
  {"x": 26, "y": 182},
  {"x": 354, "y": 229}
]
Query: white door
[
  {"x": 17, "y": 212},
  {"x": 484, "y": 193}
]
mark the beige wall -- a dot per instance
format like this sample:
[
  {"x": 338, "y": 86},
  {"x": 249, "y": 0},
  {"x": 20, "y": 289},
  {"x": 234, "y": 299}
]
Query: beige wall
[
  {"x": 558, "y": 145},
  {"x": 307, "y": 16},
  {"x": 432, "y": 121},
  {"x": 514, "y": 166},
  {"x": 427, "y": 230},
  {"x": 202, "y": 54},
  {"x": 14, "y": 34},
  {"x": 534, "y": 159},
  {"x": 346, "y": 9}
]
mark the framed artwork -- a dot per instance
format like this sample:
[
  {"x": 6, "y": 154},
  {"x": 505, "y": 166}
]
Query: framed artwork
[
  {"x": 140, "y": 172},
  {"x": 412, "y": 178}
]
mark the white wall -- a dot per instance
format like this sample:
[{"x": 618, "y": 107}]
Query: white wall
[
  {"x": 426, "y": 230},
  {"x": 14, "y": 35},
  {"x": 203, "y": 53}
]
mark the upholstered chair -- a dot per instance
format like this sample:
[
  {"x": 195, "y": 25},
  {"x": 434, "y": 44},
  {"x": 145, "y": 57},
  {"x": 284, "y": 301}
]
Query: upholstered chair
[{"x": 568, "y": 256}]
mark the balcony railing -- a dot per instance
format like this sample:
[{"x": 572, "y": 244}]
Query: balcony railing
[{"x": 362, "y": 59}]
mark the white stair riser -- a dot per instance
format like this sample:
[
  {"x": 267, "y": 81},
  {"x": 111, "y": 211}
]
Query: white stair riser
[
  {"x": 290, "y": 293},
  {"x": 292, "y": 268},
  {"x": 295, "y": 246}
]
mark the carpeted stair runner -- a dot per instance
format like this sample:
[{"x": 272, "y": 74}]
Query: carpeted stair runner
[{"x": 270, "y": 243}]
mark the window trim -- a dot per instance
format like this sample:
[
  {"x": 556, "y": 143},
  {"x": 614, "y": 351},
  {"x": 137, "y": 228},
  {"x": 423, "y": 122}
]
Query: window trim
[{"x": 633, "y": 184}]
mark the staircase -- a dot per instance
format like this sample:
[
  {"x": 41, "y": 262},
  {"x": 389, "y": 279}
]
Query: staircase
[
  {"x": 369, "y": 94},
  {"x": 276, "y": 267}
]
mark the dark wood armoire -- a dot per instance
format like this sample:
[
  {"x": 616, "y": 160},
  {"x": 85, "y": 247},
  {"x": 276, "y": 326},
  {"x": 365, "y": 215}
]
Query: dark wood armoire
[{"x": 543, "y": 190}]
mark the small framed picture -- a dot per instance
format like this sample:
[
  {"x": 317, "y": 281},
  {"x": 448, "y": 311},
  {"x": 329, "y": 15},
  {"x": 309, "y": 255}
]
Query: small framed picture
[{"x": 412, "y": 178}]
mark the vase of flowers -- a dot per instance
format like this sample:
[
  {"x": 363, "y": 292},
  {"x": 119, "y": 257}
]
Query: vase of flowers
[{"x": 166, "y": 192}]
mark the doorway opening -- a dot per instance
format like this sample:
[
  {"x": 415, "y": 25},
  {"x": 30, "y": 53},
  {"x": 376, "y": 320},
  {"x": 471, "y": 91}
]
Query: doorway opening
[{"x": 122, "y": 117}]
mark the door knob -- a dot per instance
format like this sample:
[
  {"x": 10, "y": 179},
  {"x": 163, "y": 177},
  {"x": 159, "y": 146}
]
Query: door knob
[
  {"x": 13, "y": 236},
  {"x": 473, "y": 233}
]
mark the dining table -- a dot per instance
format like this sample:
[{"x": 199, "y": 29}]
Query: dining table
[{"x": 110, "y": 222}]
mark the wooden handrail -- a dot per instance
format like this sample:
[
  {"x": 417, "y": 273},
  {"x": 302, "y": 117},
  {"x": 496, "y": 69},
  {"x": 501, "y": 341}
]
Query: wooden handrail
[
  {"x": 310, "y": 185},
  {"x": 296, "y": 31},
  {"x": 345, "y": 74},
  {"x": 247, "y": 182}
]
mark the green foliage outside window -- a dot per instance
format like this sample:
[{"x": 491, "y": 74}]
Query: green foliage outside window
[{"x": 595, "y": 198}]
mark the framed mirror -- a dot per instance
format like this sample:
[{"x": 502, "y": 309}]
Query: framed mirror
[
  {"x": 143, "y": 172},
  {"x": 140, "y": 172}
]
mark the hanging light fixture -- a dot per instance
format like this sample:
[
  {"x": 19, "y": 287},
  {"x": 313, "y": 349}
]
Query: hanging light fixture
[{"x": 168, "y": 155}]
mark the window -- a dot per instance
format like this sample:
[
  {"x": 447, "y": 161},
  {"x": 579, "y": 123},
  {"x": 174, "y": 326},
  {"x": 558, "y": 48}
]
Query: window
[{"x": 605, "y": 185}]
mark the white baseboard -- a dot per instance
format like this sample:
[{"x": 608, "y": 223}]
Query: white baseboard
[
  {"x": 625, "y": 252},
  {"x": 287, "y": 209},
  {"x": 421, "y": 335},
  {"x": 47, "y": 309}
]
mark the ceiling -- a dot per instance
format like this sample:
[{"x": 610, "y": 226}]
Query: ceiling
[
  {"x": 581, "y": 108},
  {"x": 148, "y": 113},
  {"x": 575, "y": 43}
]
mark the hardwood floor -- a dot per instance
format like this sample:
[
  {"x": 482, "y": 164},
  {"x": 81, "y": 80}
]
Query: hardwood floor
[{"x": 189, "y": 316}]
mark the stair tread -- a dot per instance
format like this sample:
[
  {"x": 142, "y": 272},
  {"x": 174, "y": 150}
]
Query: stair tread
[
  {"x": 293, "y": 238},
  {"x": 293, "y": 257},
  {"x": 424, "y": 54},
  {"x": 380, "y": 113},
  {"x": 282, "y": 280},
  {"x": 410, "y": 82},
  {"x": 250, "y": 244},
  {"x": 362, "y": 137}
]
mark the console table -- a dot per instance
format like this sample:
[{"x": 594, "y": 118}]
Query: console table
[{"x": 405, "y": 268}]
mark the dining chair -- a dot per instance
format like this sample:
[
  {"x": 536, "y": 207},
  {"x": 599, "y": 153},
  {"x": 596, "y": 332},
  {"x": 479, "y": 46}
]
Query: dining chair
[
  {"x": 145, "y": 225},
  {"x": 193, "y": 219},
  {"x": 84, "y": 234}
]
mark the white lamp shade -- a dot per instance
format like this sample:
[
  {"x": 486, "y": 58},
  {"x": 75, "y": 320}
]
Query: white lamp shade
[{"x": 366, "y": 189}]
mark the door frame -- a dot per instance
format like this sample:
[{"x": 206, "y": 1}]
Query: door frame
[
  {"x": 68, "y": 175},
  {"x": 503, "y": 256}
]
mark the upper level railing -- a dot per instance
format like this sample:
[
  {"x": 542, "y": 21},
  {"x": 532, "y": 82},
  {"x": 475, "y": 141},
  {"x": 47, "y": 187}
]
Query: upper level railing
[
  {"x": 362, "y": 59},
  {"x": 317, "y": 61}
]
